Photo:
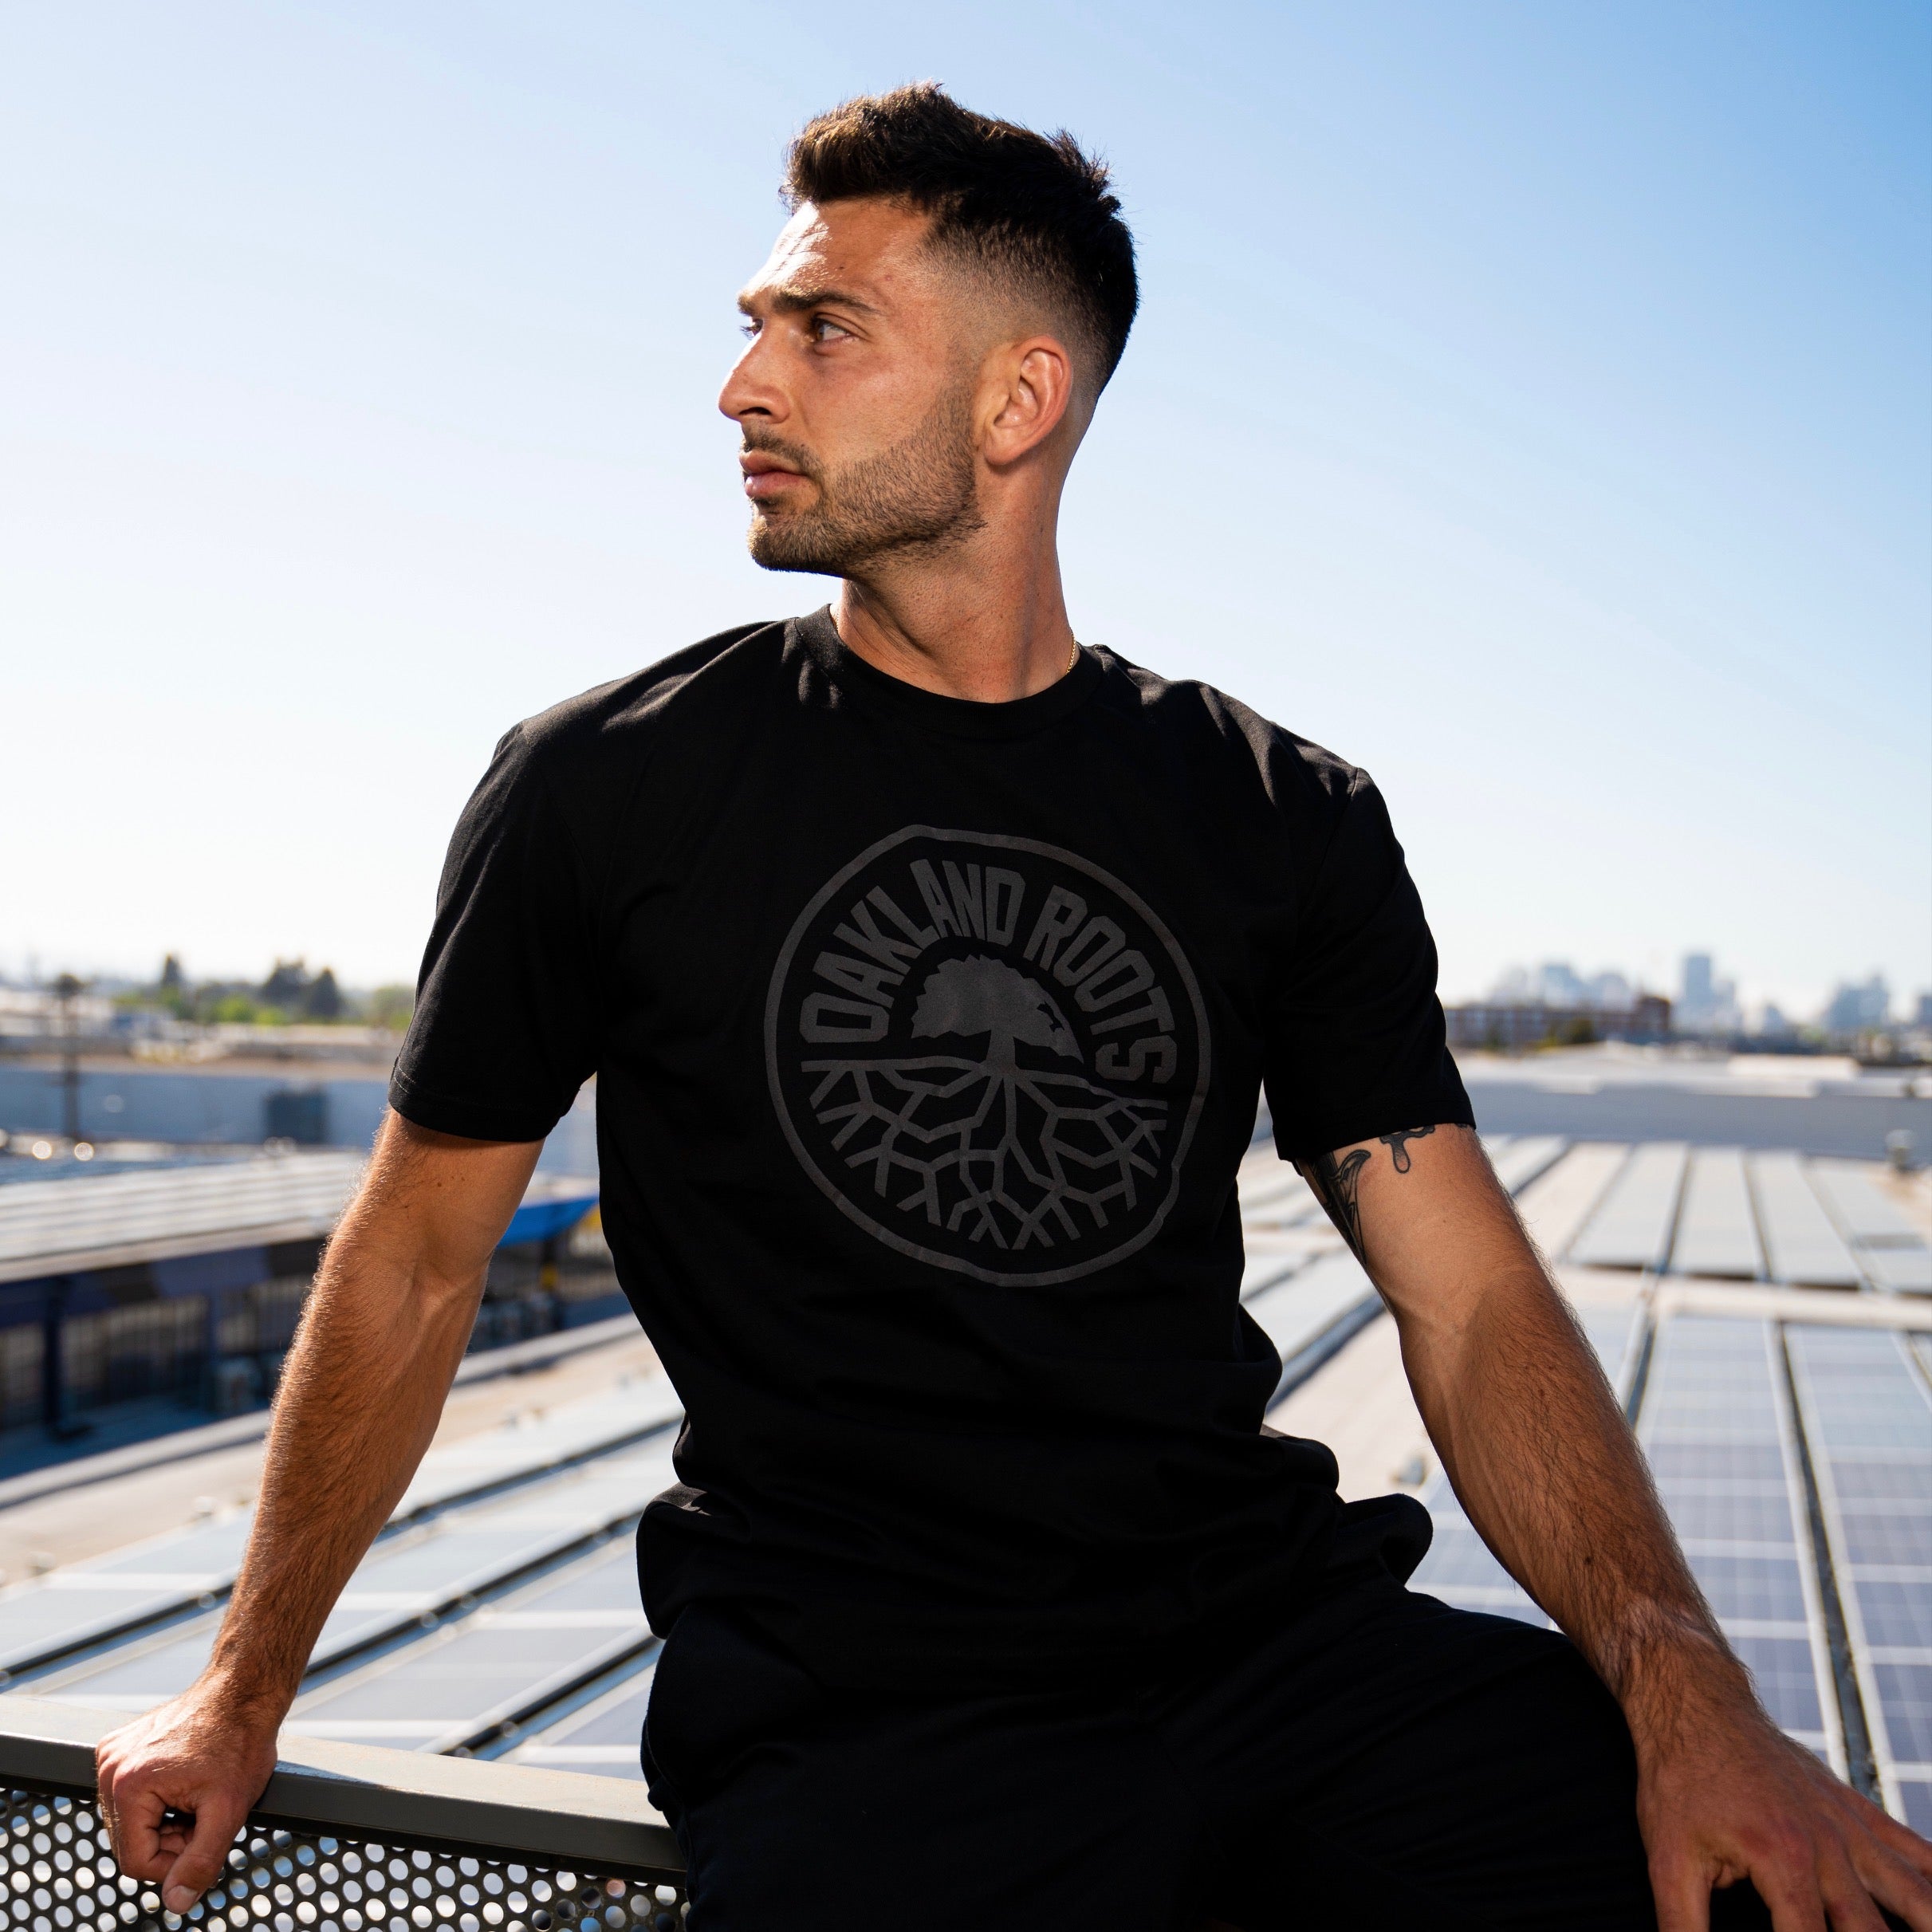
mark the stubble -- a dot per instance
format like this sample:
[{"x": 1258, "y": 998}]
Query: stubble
[{"x": 920, "y": 494}]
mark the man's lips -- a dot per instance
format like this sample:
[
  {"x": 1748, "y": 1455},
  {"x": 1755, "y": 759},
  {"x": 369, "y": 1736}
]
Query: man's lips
[{"x": 765, "y": 476}]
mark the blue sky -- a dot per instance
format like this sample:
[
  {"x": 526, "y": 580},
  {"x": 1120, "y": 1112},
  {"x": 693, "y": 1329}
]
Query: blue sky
[{"x": 1533, "y": 403}]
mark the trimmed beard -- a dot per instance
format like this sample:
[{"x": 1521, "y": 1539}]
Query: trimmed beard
[{"x": 920, "y": 494}]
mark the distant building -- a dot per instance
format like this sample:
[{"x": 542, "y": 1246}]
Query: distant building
[
  {"x": 186, "y": 1278},
  {"x": 1707, "y": 1004},
  {"x": 1697, "y": 993},
  {"x": 1857, "y": 1007},
  {"x": 1610, "y": 990},
  {"x": 1557, "y": 983},
  {"x": 1505, "y": 1025}
]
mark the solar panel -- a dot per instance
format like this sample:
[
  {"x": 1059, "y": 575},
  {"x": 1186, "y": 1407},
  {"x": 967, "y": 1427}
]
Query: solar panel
[
  {"x": 541, "y": 1439},
  {"x": 602, "y": 1735},
  {"x": 1519, "y": 1160},
  {"x": 1867, "y": 1412},
  {"x": 1305, "y": 1304},
  {"x": 1891, "y": 1251},
  {"x": 1803, "y": 1247},
  {"x": 1899, "y": 1271},
  {"x": 1555, "y": 1205},
  {"x": 1717, "y": 1232},
  {"x": 1718, "y": 1434},
  {"x": 169, "y": 1573},
  {"x": 486, "y": 1673},
  {"x": 84, "y": 1600},
  {"x": 1328, "y": 1297},
  {"x": 1717, "y": 1426},
  {"x": 1281, "y": 1198},
  {"x": 1631, "y": 1225},
  {"x": 1459, "y": 1567},
  {"x": 406, "y": 1584},
  {"x": 1615, "y": 1334},
  {"x": 1859, "y": 1205},
  {"x": 1272, "y": 1194}
]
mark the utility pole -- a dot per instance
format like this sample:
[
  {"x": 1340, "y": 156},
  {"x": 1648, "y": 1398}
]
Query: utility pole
[
  {"x": 59, "y": 1425},
  {"x": 66, "y": 989}
]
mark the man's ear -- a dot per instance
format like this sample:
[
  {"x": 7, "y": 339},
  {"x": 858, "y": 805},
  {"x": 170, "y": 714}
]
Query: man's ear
[{"x": 1032, "y": 394}]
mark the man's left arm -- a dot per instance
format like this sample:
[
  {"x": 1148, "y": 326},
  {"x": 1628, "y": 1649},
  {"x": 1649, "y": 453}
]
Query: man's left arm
[{"x": 1550, "y": 1474}]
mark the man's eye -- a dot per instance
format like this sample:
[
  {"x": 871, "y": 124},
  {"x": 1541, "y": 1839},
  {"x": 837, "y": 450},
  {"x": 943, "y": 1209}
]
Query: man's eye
[
  {"x": 822, "y": 327},
  {"x": 748, "y": 326}
]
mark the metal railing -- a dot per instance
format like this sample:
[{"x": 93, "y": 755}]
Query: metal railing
[{"x": 347, "y": 1838}]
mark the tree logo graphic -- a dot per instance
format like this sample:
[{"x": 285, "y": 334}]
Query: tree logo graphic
[{"x": 988, "y": 1053}]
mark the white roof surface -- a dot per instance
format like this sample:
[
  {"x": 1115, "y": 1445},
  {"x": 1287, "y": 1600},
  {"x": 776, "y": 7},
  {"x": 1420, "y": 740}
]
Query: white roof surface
[{"x": 114, "y": 1220}]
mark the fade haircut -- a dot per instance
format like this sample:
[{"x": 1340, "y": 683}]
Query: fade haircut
[{"x": 1031, "y": 210}]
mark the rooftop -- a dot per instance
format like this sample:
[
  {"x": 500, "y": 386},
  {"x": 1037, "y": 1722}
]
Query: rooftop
[
  {"x": 1753, "y": 1309},
  {"x": 165, "y": 1209}
]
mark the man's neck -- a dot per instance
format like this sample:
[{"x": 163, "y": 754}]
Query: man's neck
[{"x": 968, "y": 629}]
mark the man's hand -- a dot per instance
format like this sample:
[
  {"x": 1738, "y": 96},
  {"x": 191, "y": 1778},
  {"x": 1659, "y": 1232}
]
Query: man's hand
[
  {"x": 385, "y": 1327},
  {"x": 1723, "y": 1795},
  {"x": 201, "y": 1756},
  {"x": 1547, "y": 1470}
]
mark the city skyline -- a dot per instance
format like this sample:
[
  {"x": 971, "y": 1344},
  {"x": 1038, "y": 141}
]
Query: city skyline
[{"x": 1703, "y": 998}]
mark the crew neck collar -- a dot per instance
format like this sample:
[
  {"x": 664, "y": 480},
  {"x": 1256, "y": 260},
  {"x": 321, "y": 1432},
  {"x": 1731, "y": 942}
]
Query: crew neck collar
[{"x": 958, "y": 717}]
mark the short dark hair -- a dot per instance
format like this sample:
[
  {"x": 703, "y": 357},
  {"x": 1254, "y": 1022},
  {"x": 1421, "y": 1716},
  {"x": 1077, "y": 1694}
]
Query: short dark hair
[{"x": 1034, "y": 207}]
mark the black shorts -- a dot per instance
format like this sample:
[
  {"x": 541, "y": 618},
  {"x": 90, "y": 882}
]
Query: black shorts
[{"x": 1376, "y": 1759}]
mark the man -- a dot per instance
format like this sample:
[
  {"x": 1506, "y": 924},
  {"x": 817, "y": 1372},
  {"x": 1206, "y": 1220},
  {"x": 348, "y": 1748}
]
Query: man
[{"x": 930, "y": 965}]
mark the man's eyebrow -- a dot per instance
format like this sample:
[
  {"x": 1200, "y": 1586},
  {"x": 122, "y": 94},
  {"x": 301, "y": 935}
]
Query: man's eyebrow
[{"x": 788, "y": 299}]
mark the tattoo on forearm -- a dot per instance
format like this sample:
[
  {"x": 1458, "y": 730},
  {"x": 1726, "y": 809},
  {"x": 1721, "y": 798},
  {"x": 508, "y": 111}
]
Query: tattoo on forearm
[
  {"x": 1335, "y": 1181},
  {"x": 1397, "y": 1144},
  {"x": 1336, "y": 1178}
]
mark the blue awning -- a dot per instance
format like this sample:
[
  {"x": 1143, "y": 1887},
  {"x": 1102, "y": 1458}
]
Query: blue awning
[{"x": 554, "y": 1204}]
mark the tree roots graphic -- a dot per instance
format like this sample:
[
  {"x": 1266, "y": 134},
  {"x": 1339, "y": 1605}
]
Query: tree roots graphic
[{"x": 1010, "y": 1156}]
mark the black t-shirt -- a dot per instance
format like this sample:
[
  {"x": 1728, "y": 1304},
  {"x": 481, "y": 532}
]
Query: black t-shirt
[{"x": 928, "y": 1036}]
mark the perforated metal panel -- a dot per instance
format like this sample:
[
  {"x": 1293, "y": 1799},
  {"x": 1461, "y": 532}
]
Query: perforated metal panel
[{"x": 59, "y": 1877}]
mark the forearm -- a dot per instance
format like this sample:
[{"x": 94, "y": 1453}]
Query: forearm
[
  {"x": 385, "y": 1328},
  {"x": 360, "y": 1398},
  {"x": 1539, "y": 1454},
  {"x": 1549, "y": 1472}
]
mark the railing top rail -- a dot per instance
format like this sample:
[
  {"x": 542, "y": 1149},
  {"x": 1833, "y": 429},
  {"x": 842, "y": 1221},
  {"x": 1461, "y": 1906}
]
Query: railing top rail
[{"x": 558, "y": 1817}]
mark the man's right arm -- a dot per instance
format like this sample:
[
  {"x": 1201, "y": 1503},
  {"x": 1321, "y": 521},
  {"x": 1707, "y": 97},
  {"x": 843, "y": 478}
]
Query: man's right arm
[{"x": 385, "y": 1328}]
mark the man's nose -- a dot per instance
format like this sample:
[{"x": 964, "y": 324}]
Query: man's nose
[{"x": 751, "y": 389}]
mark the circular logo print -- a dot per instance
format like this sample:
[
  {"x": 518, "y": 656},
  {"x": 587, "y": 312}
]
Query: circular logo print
[{"x": 988, "y": 1053}]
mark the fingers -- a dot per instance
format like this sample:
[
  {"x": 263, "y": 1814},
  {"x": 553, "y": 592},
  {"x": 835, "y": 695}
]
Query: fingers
[
  {"x": 104, "y": 1759},
  {"x": 202, "y": 1860},
  {"x": 1795, "y": 1904},
  {"x": 1847, "y": 1898},
  {"x": 172, "y": 1807},
  {"x": 1889, "y": 1861},
  {"x": 135, "y": 1813},
  {"x": 1900, "y": 1841},
  {"x": 1896, "y": 1886},
  {"x": 1681, "y": 1890}
]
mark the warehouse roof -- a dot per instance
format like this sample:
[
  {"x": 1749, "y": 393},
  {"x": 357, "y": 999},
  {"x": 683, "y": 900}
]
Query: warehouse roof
[{"x": 117, "y": 1220}]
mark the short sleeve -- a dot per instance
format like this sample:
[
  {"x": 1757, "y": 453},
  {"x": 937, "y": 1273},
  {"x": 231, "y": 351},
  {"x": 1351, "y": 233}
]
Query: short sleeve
[
  {"x": 504, "y": 1029},
  {"x": 1356, "y": 1045}
]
